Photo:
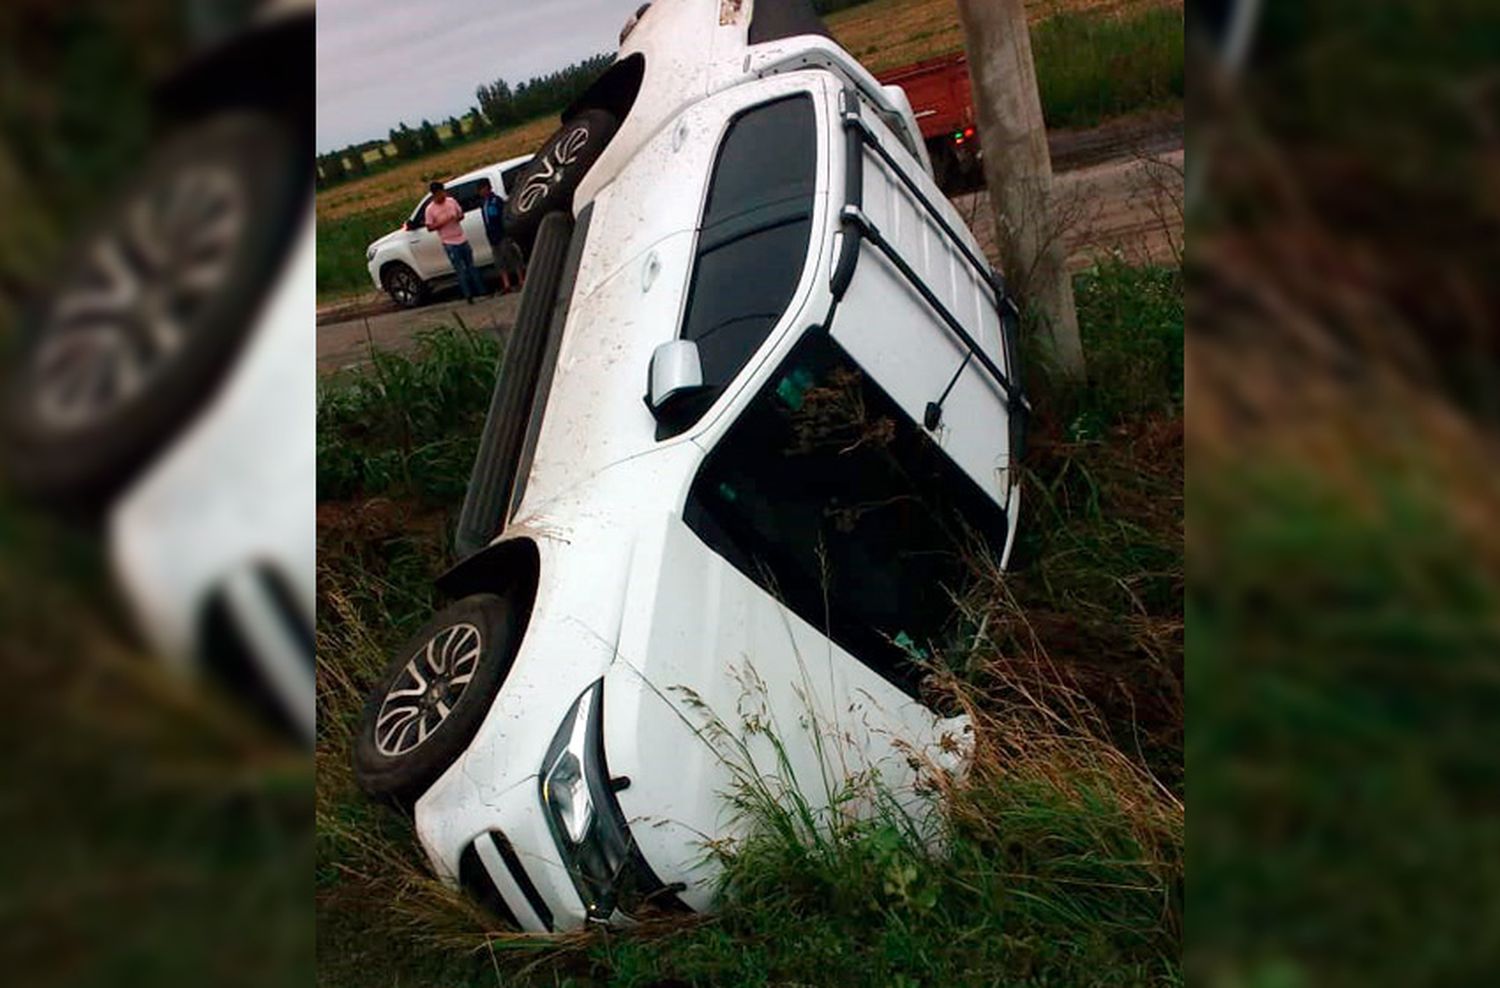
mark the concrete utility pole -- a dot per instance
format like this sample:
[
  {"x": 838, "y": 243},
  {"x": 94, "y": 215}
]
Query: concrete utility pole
[{"x": 1018, "y": 169}]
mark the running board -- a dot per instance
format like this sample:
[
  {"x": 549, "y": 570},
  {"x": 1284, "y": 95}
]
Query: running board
[{"x": 500, "y": 446}]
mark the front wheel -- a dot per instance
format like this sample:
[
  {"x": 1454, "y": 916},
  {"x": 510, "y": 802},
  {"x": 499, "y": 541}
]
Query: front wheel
[
  {"x": 432, "y": 697},
  {"x": 547, "y": 184},
  {"x": 403, "y": 286}
]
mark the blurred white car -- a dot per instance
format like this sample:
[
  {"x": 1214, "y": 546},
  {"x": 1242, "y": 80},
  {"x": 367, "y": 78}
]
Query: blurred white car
[
  {"x": 408, "y": 263},
  {"x": 762, "y": 392},
  {"x": 168, "y": 384}
]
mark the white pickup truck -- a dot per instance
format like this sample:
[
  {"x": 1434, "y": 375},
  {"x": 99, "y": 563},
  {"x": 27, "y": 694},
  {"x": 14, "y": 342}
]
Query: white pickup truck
[
  {"x": 408, "y": 263},
  {"x": 762, "y": 393}
]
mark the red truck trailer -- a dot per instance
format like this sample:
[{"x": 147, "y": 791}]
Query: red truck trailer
[{"x": 938, "y": 89}]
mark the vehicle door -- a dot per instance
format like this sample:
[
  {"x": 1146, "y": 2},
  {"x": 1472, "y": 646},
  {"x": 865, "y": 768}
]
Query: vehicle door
[
  {"x": 922, "y": 311},
  {"x": 426, "y": 250}
]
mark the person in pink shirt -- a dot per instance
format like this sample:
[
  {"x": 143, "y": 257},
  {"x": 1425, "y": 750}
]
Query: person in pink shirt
[{"x": 445, "y": 217}]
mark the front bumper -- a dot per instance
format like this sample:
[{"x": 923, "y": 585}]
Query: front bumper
[{"x": 514, "y": 865}]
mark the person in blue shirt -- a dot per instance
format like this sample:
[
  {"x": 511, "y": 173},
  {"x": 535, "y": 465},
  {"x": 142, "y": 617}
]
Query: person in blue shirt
[{"x": 506, "y": 252}]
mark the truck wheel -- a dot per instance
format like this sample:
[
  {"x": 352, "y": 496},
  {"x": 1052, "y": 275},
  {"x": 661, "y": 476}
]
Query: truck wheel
[
  {"x": 943, "y": 165},
  {"x": 153, "y": 307},
  {"x": 547, "y": 184},
  {"x": 431, "y": 698},
  {"x": 403, "y": 285}
]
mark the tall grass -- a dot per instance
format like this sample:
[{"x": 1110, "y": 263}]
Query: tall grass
[
  {"x": 342, "y": 242},
  {"x": 1056, "y": 858},
  {"x": 409, "y": 424}
]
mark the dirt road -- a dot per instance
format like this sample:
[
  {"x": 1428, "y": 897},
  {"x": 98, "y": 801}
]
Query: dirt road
[
  {"x": 1118, "y": 189},
  {"x": 1130, "y": 206},
  {"x": 346, "y": 333}
]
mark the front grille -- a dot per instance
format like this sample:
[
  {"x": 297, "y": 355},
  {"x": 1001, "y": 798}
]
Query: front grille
[
  {"x": 228, "y": 650},
  {"x": 475, "y": 879},
  {"x": 533, "y": 897}
]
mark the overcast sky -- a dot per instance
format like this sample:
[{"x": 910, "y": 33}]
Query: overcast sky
[{"x": 384, "y": 61}]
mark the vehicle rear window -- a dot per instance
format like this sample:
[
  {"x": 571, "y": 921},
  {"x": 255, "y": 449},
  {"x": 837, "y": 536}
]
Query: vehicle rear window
[
  {"x": 509, "y": 176},
  {"x": 467, "y": 194},
  {"x": 753, "y": 245},
  {"x": 829, "y": 497}
]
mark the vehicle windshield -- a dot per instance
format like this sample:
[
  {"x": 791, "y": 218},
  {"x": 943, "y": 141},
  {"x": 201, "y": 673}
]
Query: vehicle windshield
[{"x": 831, "y": 499}]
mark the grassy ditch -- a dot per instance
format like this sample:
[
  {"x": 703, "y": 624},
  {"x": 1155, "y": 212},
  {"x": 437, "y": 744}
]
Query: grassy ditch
[{"x": 1061, "y": 858}]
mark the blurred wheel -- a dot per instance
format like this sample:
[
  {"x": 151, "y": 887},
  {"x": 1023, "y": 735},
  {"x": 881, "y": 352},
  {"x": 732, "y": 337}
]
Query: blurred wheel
[{"x": 152, "y": 308}]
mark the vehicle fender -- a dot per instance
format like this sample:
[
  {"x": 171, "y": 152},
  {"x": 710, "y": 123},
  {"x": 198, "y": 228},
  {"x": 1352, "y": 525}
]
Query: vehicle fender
[{"x": 511, "y": 565}]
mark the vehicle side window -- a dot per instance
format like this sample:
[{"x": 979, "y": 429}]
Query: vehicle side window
[
  {"x": 508, "y": 179},
  {"x": 831, "y": 499},
  {"x": 757, "y": 226},
  {"x": 419, "y": 215},
  {"x": 467, "y": 194}
]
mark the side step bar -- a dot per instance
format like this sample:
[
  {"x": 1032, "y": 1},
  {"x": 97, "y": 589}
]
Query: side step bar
[{"x": 500, "y": 446}]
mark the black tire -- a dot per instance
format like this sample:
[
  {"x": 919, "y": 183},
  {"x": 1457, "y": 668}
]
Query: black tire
[
  {"x": 154, "y": 308},
  {"x": 405, "y": 287},
  {"x": 390, "y": 761},
  {"x": 547, "y": 184},
  {"x": 943, "y": 165}
]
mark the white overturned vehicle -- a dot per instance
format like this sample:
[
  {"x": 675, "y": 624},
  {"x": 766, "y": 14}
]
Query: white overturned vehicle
[{"x": 762, "y": 390}]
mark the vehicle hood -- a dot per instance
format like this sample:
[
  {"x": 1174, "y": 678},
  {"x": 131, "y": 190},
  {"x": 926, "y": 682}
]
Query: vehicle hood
[{"x": 390, "y": 238}]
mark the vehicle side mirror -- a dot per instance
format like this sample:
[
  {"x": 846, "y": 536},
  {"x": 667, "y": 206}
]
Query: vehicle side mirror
[
  {"x": 676, "y": 374},
  {"x": 411, "y": 226}
]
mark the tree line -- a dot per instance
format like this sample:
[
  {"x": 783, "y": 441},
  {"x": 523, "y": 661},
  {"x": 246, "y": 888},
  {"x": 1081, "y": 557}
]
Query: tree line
[{"x": 499, "y": 106}]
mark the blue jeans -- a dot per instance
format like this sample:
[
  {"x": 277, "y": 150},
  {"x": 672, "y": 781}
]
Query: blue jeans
[{"x": 461, "y": 256}]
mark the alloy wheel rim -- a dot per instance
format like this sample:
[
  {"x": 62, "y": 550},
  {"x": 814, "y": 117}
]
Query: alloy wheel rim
[
  {"x": 405, "y": 290},
  {"x": 130, "y": 310},
  {"x": 427, "y": 690}
]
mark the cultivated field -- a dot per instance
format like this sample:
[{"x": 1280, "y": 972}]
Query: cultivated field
[{"x": 403, "y": 184}]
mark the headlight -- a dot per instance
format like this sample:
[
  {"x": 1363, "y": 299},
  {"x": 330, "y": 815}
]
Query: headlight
[
  {"x": 369, "y": 255},
  {"x": 586, "y": 820}
]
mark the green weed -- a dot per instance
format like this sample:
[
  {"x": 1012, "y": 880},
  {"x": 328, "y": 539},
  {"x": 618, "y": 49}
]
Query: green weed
[
  {"x": 1091, "y": 67},
  {"x": 409, "y": 425},
  {"x": 342, "y": 243}
]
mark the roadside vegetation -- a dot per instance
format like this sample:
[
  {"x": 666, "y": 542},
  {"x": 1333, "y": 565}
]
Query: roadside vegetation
[
  {"x": 1345, "y": 577},
  {"x": 1061, "y": 858},
  {"x": 1095, "y": 61}
]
